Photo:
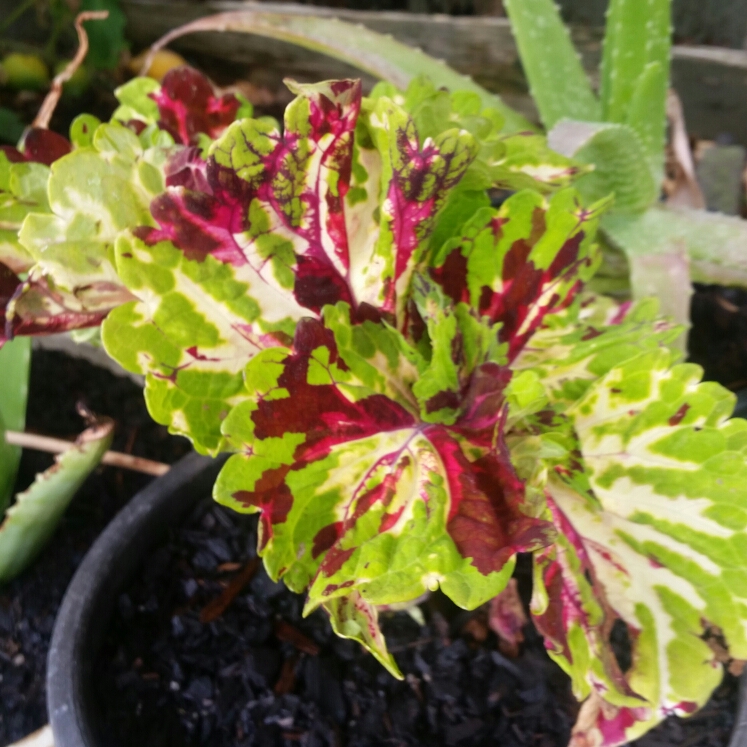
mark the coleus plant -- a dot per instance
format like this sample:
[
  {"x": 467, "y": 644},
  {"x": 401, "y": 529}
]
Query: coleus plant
[{"x": 412, "y": 382}]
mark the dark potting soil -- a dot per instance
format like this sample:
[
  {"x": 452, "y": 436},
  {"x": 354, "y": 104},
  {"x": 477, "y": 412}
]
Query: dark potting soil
[
  {"x": 29, "y": 604},
  {"x": 718, "y": 337},
  {"x": 198, "y": 655}
]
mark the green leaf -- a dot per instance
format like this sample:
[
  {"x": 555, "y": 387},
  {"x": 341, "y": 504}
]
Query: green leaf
[
  {"x": 14, "y": 365},
  {"x": 106, "y": 40},
  {"x": 557, "y": 80},
  {"x": 637, "y": 35},
  {"x": 654, "y": 535},
  {"x": 353, "y": 617},
  {"x": 32, "y": 519},
  {"x": 135, "y": 101},
  {"x": 23, "y": 190},
  {"x": 11, "y": 126},
  {"x": 376, "y": 54},
  {"x": 528, "y": 163},
  {"x": 619, "y": 160}
]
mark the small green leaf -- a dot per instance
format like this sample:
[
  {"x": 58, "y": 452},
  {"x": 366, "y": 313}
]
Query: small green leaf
[
  {"x": 353, "y": 617},
  {"x": 11, "y": 126},
  {"x": 14, "y": 368},
  {"x": 30, "y": 522},
  {"x": 135, "y": 101},
  {"x": 619, "y": 160}
]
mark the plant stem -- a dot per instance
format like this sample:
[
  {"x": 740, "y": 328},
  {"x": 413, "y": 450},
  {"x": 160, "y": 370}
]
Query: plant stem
[{"x": 112, "y": 458}]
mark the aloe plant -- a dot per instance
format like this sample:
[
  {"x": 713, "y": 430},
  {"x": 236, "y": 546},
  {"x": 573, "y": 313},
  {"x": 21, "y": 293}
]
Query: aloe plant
[{"x": 622, "y": 132}]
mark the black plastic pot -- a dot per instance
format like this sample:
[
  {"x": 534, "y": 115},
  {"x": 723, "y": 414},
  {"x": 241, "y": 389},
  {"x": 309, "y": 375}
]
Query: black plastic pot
[
  {"x": 90, "y": 598},
  {"x": 106, "y": 569}
]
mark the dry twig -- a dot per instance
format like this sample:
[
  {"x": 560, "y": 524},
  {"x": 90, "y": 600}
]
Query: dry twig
[
  {"x": 50, "y": 102},
  {"x": 112, "y": 458}
]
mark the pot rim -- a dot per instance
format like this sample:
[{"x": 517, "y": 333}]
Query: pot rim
[{"x": 89, "y": 599}]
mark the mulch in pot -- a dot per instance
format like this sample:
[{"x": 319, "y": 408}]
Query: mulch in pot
[
  {"x": 28, "y": 605},
  {"x": 194, "y": 658}
]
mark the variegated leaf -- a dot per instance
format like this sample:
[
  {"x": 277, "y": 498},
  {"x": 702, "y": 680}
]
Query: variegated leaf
[
  {"x": 185, "y": 105},
  {"x": 353, "y": 617},
  {"x": 513, "y": 161},
  {"x": 95, "y": 193},
  {"x": 357, "y": 493},
  {"x": 23, "y": 189},
  {"x": 651, "y": 518},
  {"x": 521, "y": 262},
  {"x": 192, "y": 332},
  {"x": 416, "y": 174},
  {"x": 269, "y": 229},
  {"x": 574, "y": 348}
]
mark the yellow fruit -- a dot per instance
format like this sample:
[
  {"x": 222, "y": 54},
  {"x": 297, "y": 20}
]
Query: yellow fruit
[
  {"x": 25, "y": 72},
  {"x": 163, "y": 61}
]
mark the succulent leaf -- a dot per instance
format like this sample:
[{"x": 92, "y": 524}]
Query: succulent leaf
[{"x": 557, "y": 80}]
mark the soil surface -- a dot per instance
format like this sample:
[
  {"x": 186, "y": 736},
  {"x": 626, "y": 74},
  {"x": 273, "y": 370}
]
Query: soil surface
[
  {"x": 718, "y": 338},
  {"x": 29, "y": 604},
  {"x": 205, "y": 649}
]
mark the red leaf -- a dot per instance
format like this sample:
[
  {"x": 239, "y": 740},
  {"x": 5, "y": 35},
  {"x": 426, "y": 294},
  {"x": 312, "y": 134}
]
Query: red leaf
[{"x": 189, "y": 106}]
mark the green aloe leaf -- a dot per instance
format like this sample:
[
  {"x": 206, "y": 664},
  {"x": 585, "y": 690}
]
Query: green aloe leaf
[
  {"x": 617, "y": 154},
  {"x": 32, "y": 519},
  {"x": 716, "y": 244},
  {"x": 14, "y": 369},
  {"x": 635, "y": 72},
  {"x": 647, "y": 115},
  {"x": 557, "y": 80},
  {"x": 374, "y": 53},
  {"x": 637, "y": 36}
]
